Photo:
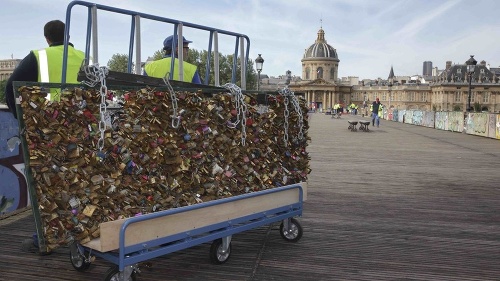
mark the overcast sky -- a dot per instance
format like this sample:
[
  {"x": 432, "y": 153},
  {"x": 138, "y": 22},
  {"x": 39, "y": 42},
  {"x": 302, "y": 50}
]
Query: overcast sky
[{"x": 370, "y": 36}]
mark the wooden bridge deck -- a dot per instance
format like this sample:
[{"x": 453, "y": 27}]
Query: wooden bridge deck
[{"x": 400, "y": 202}]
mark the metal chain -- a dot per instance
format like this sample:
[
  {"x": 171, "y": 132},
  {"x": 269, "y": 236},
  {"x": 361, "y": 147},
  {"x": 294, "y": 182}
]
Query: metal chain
[
  {"x": 95, "y": 75},
  {"x": 176, "y": 117},
  {"x": 285, "y": 93},
  {"x": 296, "y": 105},
  {"x": 241, "y": 107},
  {"x": 102, "y": 110},
  {"x": 298, "y": 109}
]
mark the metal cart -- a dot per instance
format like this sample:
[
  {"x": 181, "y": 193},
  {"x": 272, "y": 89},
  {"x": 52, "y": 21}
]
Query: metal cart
[{"x": 126, "y": 243}]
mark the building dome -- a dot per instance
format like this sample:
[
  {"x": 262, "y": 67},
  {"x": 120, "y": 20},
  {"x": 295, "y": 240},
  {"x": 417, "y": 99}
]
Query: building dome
[{"x": 320, "y": 49}]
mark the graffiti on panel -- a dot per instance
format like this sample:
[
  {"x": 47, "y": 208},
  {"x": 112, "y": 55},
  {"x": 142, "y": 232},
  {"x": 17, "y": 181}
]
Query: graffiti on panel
[
  {"x": 13, "y": 186},
  {"x": 497, "y": 126},
  {"x": 428, "y": 119},
  {"x": 409, "y": 117},
  {"x": 395, "y": 115},
  {"x": 456, "y": 121},
  {"x": 441, "y": 120},
  {"x": 401, "y": 117},
  {"x": 477, "y": 124},
  {"x": 418, "y": 117},
  {"x": 492, "y": 118}
]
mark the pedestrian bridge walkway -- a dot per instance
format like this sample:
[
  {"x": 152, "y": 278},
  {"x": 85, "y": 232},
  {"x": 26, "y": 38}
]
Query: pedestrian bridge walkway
[{"x": 400, "y": 202}]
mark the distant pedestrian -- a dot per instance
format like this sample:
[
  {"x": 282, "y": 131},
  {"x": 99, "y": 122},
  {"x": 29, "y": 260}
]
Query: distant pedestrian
[{"x": 376, "y": 110}]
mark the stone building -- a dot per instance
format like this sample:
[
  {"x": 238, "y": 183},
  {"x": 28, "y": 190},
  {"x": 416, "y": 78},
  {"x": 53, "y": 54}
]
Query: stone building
[
  {"x": 450, "y": 90},
  {"x": 445, "y": 90},
  {"x": 7, "y": 67},
  {"x": 319, "y": 83}
]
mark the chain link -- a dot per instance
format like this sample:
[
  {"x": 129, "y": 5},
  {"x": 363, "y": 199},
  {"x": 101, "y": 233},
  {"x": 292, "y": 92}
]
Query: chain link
[
  {"x": 176, "y": 117},
  {"x": 95, "y": 75},
  {"x": 287, "y": 94},
  {"x": 241, "y": 108},
  {"x": 298, "y": 109}
]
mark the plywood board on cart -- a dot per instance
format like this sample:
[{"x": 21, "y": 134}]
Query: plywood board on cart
[{"x": 171, "y": 224}]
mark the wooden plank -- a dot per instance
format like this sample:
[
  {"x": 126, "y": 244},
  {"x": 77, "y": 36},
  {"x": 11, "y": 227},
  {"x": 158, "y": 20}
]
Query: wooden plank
[{"x": 193, "y": 219}]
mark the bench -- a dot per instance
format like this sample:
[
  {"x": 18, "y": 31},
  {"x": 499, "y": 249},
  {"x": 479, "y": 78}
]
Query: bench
[
  {"x": 363, "y": 126},
  {"x": 352, "y": 125}
]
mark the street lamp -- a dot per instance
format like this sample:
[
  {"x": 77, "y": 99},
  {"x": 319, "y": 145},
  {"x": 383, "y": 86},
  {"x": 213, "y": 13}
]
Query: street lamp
[
  {"x": 288, "y": 77},
  {"x": 365, "y": 105},
  {"x": 259, "y": 61},
  {"x": 471, "y": 65},
  {"x": 390, "y": 88}
]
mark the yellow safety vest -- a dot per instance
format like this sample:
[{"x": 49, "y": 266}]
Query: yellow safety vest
[
  {"x": 50, "y": 66},
  {"x": 381, "y": 111},
  {"x": 161, "y": 68}
]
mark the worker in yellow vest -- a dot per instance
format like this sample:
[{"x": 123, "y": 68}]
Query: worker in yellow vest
[
  {"x": 377, "y": 110},
  {"x": 351, "y": 108},
  {"x": 45, "y": 65},
  {"x": 161, "y": 68}
]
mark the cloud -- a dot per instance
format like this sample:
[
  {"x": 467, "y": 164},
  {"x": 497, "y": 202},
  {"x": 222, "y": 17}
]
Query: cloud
[{"x": 423, "y": 20}]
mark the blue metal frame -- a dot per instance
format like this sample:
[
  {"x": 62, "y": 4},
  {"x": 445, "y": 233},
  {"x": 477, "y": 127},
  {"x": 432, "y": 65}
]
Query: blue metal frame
[
  {"x": 129, "y": 255},
  {"x": 151, "y": 17}
]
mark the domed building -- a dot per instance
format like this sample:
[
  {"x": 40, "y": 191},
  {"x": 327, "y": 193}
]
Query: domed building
[
  {"x": 320, "y": 84},
  {"x": 320, "y": 60}
]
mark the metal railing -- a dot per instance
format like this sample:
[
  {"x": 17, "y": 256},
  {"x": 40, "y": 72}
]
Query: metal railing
[{"x": 135, "y": 36}]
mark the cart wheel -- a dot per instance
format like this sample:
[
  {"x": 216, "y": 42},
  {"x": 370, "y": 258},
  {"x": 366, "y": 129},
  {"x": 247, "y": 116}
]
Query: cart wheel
[
  {"x": 217, "y": 254},
  {"x": 294, "y": 233},
  {"x": 78, "y": 261},
  {"x": 113, "y": 274}
]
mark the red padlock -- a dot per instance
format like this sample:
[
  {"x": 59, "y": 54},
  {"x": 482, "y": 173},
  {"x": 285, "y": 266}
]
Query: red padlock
[{"x": 249, "y": 121}]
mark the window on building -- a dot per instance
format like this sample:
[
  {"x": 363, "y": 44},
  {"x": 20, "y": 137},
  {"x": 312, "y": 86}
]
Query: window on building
[
  {"x": 319, "y": 72},
  {"x": 482, "y": 70},
  {"x": 458, "y": 96},
  {"x": 332, "y": 73},
  {"x": 459, "y": 71},
  {"x": 308, "y": 73},
  {"x": 486, "y": 97},
  {"x": 412, "y": 96}
]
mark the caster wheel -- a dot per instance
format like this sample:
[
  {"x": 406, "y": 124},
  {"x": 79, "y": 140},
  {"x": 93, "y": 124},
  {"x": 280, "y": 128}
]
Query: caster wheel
[
  {"x": 217, "y": 253},
  {"x": 113, "y": 274},
  {"x": 294, "y": 233},
  {"x": 78, "y": 261}
]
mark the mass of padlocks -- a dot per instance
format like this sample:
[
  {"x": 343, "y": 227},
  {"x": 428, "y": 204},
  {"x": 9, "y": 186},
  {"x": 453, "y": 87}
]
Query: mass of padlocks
[{"x": 159, "y": 150}]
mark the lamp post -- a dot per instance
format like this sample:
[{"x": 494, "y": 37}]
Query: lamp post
[
  {"x": 365, "y": 105},
  {"x": 471, "y": 65},
  {"x": 390, "y": 92},
  {"x": 259, "y": 61},
  {"x": 288, "y": 77}
]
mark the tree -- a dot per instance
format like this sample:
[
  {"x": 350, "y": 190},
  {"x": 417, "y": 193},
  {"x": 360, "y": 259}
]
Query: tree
[
  {"x": 119, "y": 63},
  {"x": 477, "y": 107},
  {"x": 158, "y": 55}
]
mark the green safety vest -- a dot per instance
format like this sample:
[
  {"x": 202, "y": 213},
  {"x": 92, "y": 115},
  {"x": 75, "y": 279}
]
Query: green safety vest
[
  {"x": 161, "y": 68},
  {"x": 50, "y": 64}
]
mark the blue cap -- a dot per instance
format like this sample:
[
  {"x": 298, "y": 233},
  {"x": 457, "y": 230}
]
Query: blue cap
[{"x": 167, "y": 43}]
